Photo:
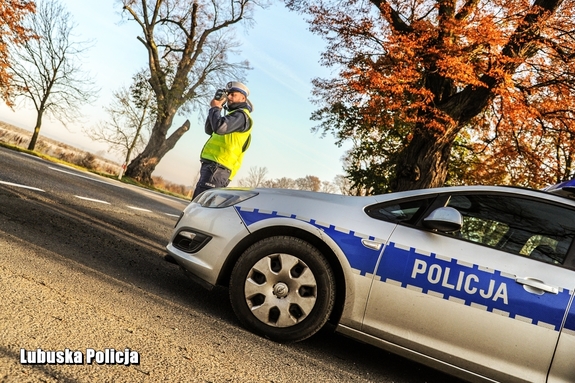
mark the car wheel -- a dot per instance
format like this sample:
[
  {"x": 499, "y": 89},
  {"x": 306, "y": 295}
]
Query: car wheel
[{"x": 283, "y": 289}]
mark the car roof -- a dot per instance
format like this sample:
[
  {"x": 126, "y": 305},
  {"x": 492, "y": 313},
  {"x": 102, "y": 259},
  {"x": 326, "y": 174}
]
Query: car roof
[
  {"x": 533, "y": 193},
  {"x": 563, "y": 198}
]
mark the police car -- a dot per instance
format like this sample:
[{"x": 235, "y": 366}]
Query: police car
[{"x": 476, "y": 281}]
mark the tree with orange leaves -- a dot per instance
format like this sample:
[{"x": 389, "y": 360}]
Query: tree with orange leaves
[
  {"x": 422, "y": 83},
  {"x": 12, "y": 13}
]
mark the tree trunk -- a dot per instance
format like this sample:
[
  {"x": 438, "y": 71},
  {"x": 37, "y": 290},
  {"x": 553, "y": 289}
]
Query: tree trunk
[
  {"x": 142, "y": 167},
  {"x": 424, "y": 162},
  {"x": 36, "y": 133},
  {"x": 132, "y": 144}
]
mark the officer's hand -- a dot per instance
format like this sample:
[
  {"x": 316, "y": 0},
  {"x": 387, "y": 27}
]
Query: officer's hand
[{"x": 217, "y": 103}]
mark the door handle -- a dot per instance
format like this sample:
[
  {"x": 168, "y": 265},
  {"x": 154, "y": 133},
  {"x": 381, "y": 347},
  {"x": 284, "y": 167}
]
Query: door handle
[
  {"x": 373, "y": 245},
  {"x": 537, "y": 284}
]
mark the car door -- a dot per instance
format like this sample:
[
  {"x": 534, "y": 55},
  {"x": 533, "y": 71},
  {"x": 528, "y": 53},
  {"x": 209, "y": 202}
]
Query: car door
[
  {"x": 483, "y": 299},
  {"x": 562, "y": 370}
]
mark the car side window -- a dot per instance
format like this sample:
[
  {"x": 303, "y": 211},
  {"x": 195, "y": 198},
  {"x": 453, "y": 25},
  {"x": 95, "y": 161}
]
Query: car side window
[
  {"x": 521, "y": 226},
  {"x": 406, "y": 211}
]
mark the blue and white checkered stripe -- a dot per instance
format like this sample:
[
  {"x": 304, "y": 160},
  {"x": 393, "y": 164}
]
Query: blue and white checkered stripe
[
  {"x": 471, "y": 285},
  {"x": 429, "y": 273},
  {"x": 569, "y": 327}
]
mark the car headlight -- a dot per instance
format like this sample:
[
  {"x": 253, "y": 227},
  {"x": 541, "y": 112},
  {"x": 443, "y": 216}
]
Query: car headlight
[{"x": 220, "y": 198}]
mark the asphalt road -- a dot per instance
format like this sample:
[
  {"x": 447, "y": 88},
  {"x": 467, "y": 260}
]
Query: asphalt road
[{"x": 82, "y": 271}]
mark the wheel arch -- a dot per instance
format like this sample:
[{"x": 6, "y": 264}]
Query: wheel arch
[{"x": 272, "y": 231}]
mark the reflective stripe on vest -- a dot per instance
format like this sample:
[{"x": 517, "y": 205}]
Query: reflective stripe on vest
[{"x": 228, "y": 149}]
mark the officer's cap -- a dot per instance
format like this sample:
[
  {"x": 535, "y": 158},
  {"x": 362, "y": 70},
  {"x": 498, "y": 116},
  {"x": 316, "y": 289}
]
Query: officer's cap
[{"x": 235, "y": 86}]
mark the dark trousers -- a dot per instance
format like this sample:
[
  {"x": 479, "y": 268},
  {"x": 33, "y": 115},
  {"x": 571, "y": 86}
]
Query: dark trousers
[{"x": 212, "y": 175}]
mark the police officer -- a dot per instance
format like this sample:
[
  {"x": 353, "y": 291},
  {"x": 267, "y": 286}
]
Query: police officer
[{"x": 230, "y": 137}]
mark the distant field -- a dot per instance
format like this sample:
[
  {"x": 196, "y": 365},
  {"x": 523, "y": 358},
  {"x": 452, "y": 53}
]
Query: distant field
[
  {"x": 13, "y": 135},
  {"x": 16, "y": 136}
]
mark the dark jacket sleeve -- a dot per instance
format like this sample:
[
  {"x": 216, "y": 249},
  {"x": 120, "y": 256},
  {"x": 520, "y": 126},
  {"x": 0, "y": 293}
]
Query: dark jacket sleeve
[{"x": 233, "y": 122}]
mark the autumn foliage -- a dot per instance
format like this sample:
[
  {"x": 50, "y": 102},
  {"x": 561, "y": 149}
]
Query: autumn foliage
[
  {"x": 12, "y": 13},
  {"x": 472, "y": 91}
]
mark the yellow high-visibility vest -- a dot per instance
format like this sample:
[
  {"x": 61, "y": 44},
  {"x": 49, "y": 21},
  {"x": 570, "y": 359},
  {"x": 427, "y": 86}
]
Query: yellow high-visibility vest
[{"x": 228, "y": 149}]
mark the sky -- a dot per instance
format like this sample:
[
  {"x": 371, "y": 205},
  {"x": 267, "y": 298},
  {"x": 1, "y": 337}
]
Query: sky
[{"x": 285, "y": 58}]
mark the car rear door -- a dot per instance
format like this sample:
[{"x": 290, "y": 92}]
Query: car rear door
[
  {"x": 562, "y": 370},
  {"x": 481, "y": 299}
]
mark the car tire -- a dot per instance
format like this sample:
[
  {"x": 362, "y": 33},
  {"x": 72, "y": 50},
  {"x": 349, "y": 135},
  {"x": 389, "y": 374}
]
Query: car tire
[{"x": 282, "y": 288}]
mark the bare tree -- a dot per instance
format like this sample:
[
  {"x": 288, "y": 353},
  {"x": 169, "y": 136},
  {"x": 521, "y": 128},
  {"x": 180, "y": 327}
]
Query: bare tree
[
  {"x": 47, "y": 71},
  {"x": 256, "y": 177},
  {"x": 327, "y": 187},
  {"x": 343, "y": 184},
  {"x": 132, "y": 114},
  {"x": 281, "y": 183},
  {"x": 308, "y": 182},
  {"x": 188, "y": 43}
]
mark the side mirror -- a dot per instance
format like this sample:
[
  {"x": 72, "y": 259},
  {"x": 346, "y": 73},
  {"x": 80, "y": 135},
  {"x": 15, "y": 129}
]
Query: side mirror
[{"x": 444, "y": 219}]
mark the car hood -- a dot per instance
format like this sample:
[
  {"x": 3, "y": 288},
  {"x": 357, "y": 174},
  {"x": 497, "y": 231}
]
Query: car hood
[
  {"x": 330, "y": 209},
  {"x": 283, "y": 194}
]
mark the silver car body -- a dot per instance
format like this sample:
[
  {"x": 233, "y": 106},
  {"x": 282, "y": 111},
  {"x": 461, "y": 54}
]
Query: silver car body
[{"x": 471, "y": 310}]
